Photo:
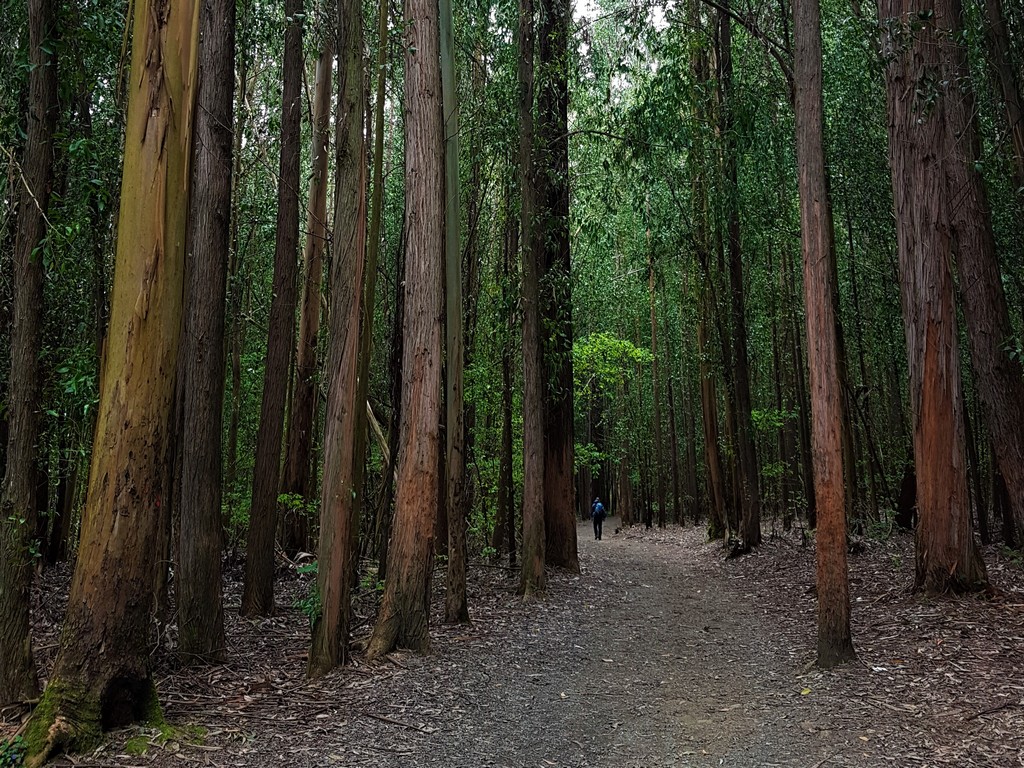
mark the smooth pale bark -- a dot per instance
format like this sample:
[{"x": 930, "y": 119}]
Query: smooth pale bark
[
  {"x": 816, "y": 236},
  {"x": 456, "y": 609},
  {"x": 297, "y": 480},
  {"x": 532, "y": 577},
  {"x": 947, "y": 557},
  {"x": 404, "y": 614},
  {"x": 19, "y": 497},
  {"x": 258, "y": 593},
  {"x": 550, "y": 233},
  {"x": 101, "y": 677},
  {"x": 201, "y": 363},
  {"x": 339, "y": 499}
]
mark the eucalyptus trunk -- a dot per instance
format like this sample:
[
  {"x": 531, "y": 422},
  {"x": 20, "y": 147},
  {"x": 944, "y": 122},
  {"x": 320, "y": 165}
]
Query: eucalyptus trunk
[{"x": 101, "y": 677}]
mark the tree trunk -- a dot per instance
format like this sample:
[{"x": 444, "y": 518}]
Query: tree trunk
[
  {"x": 999, "y": 377},
  {"x": 258, "y": 594},
  {"x": 201, "y": 363},
  {"x": 369, "y": 297},
  {"x": 532, "y": 577},
  {"x": 947, "y": 558},
  {"x": 1001, "y": 62},
  {"x": 816, "y": 233},
  {"x": 18, "y": 501},
  {"x": 550, "y": 230},
  {"x": 659, "y": 453},
  {"x": 405, "y": 611},
  {"x": 456, "y": 609},
  {"x": 297, "y": 463},
  {"x": 504, "y": 524},
  {"x": 717, "y": 523},
  {"x": 101, "y": 678},
  {"x": 339, "y": 498},
  {"x": 237, "y": 295}
]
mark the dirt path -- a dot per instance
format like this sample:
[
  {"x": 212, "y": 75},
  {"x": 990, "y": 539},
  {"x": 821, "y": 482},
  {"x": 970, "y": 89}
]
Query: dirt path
[
  {"x": 643, "y": 660},
  {"x": 658, "y": 654}
]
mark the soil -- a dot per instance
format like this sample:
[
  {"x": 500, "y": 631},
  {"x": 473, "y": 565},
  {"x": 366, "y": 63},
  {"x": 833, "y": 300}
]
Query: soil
[{"x": 662, "y": 652}]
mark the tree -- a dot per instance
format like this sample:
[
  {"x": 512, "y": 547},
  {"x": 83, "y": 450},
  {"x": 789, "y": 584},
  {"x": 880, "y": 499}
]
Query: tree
[
  {"x": 339, "y": 499},
  {"x": 750, "y": 498},
  {"x": 258, "y": 594},
  {"x": 455, "y": 606},
  {"x": 297, "y": 481},
  {"x": 947, "y": 558},
  {"x": 101, "y": 678},
  {"x": 550, "y": 233},
  {"x": 816, "y": 234},
  {"x": 532, "y": 578},
  {"x": 405, "y": 610},
  {"x": 18, "y": 502},
  {"x": 201, "y": 364},
  {"x": 998, "y": 377}
]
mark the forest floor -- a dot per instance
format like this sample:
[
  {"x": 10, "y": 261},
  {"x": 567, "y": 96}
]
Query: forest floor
[{"x": 661, "y": 653}]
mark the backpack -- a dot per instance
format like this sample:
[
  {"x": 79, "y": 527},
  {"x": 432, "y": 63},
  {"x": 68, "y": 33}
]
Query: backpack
[{"x": 598, "y": 512}]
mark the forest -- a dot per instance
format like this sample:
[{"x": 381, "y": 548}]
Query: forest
[{"x": 334, "y": 319}]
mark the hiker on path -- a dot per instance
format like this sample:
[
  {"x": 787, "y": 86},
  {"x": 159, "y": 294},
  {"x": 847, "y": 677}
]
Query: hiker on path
[{"x": 597, "y": 514}]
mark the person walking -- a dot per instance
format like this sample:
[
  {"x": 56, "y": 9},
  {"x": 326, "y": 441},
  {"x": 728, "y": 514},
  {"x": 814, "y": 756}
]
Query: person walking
[{"x": 597, "y": 514}]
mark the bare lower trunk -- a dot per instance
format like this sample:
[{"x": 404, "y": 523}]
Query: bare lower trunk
[
  {"x": 550, "y": 231},
  {"x": 258, "y": 594},
  {"x": 456, "y": 609},
  {"x": 816, "y": 234},
  {"x": 101, "y": 677},
  {"x": 297, "y": 464},
  {"x": 404, "y": 614},
  {"x": 532, "y": 577},
  {"x": 339, "y": 498},
  {"x": 998, "y": 376},
  {"x": 947, "y": 558},
  {"x": 201, "y": 364}
]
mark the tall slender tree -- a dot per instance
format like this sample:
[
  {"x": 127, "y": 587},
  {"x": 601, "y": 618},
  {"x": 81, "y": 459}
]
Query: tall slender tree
[
  {"x": 455, "y": 606},
  {"x": 101, "y": 677},
  {"x": 405, "y": 611},
  {"x": 817, "y": 240},
  {"x": 297, "y": 480},
  {"x": 550, "y": 241},
  {"x": 258, "y": 593},
  {"x": 749, "y": 487},
  {"x": 201, "y": 363},
  {"x": 532, "y": 577},
  {"x": 18, "y": 502},
  {"x": 339, "y": 499}
]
